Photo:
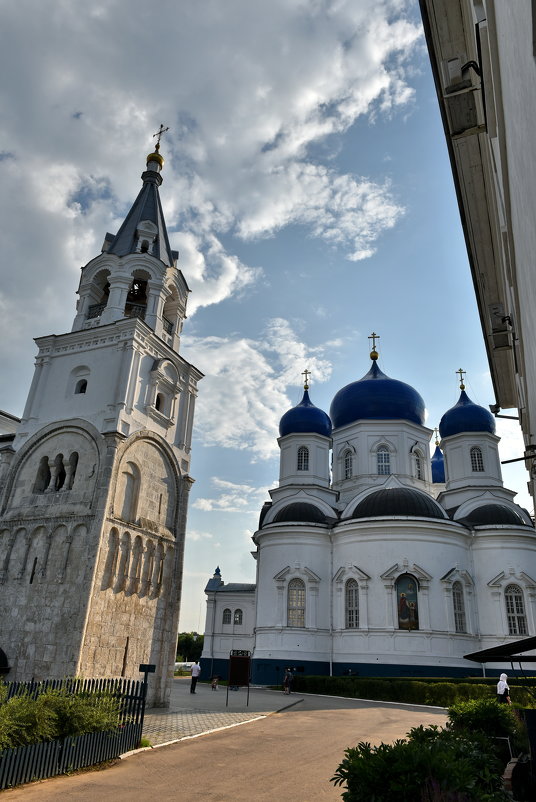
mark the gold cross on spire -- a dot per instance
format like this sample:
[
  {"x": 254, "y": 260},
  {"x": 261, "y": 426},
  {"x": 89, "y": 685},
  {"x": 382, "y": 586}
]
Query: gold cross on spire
[
  {"x": 462, "y": 374},
  {"x": 374, "y": 337},
  {"x": 436, "y": 432},
  {"x": 158, "y": 134},
  {"x": 306, "y": 373}
]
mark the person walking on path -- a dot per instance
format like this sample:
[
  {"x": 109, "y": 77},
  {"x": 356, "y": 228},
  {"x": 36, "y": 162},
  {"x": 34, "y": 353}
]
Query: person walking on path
[
  {"x": 503, "y": 691},
  {"x": 196, "y": 671},
  {"x": 287, "y": 681}
]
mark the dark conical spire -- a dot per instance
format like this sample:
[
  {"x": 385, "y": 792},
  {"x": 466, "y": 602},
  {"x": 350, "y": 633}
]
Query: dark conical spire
[{"x": 146, "y": 209}]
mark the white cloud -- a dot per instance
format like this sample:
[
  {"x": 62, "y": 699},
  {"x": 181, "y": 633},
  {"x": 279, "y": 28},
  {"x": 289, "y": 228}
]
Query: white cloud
[
  {"x": 196, "y": 535},
  {"x": 231, "y": 497},
  {"x": 246, "y": 104},
  {"x": 244, "y": 390}
]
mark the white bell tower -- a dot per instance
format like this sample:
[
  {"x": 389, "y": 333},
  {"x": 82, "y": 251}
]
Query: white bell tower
[{"x": 95, "y": 494}]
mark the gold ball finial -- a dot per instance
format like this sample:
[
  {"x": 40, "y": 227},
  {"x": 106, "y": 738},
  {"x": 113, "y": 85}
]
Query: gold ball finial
[
  {"x": 374, "y": 354},
  {"x": 156, "y": 156}
]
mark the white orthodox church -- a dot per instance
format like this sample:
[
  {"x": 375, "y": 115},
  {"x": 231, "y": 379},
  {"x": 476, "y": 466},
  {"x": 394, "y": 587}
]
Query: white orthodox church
[
  {"x": 373, "y": 559},
  {"x": 94, "y": 479}
]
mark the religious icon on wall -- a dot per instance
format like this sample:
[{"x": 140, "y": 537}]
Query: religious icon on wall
[{"x": 408, "y": 608}]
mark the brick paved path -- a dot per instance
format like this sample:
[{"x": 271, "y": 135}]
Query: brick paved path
[{"x": 190, "y": 715}]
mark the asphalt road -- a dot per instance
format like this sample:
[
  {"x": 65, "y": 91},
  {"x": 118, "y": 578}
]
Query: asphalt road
[{"x": 288, "y": 755}]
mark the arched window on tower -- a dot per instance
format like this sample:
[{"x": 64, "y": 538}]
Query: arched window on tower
[
  {"x": 303, "y": 458},
  {"x": 515, "y": 610},
  {"x": 417, "y": 456},
  {"x": 42, "y": 480},
  {"x": 71, "y": 469},
  {"x": 383, "y": 459},
  {"x": 477, "y": 462},
  {"x": 458, "y": 605},
  {"x": 131, "y": 492},
  {"x": 226, "y": 616},
  {"x": 348, "y": 464},
  {"x": 80, "y": 387},
  {"x": 407, "y": 601},
  {"x": 136, "y": 303},
  {"x": 60, "y": 472},
  {"x": 352, "y": 604},
  {"x": 296, "y": 603}
]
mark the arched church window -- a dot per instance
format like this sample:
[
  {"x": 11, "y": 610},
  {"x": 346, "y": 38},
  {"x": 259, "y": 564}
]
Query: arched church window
[
  {"x": 226, "y": 619},
  {"x": 348, "y": 464},
  {"x": 418, "y": 465},
  {"x": 407, "y": 602},
  {"x": 237, "y": 619},
  {"x": 296, "y": 603},
  {"x": 383, "y": 459},
  {"x": 159, "y": 402},
  {"x": 60, "y": 472},
  {"x": 515, "y": 610},
  {"x": 477, "y": 462},
  {"x": 131, "y": 491},
  {"x": 80, "y": 387},
  {"x": 42, "y": 480},
  {"x": 303, "y": 458},
  {"x": 352, "y": 604},
  {"x": 458, "y": 605}
]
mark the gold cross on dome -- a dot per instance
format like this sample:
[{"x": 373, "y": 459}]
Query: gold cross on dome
[
  {"x": 159, "y": 133},
  {"x": 436, "y": 432},
  {"x": 374, "y": 337},
  {"x": 462, "y": 374},
  {"x": 306, "y": 373}
]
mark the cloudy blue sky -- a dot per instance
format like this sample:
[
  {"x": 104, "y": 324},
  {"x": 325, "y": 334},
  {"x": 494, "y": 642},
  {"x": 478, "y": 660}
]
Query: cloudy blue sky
[{"x": 306, "y": 186}]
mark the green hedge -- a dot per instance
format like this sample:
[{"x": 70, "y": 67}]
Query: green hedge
[
  {"x": 436, "y": 692},
  {"x": 55, "y": 714}
]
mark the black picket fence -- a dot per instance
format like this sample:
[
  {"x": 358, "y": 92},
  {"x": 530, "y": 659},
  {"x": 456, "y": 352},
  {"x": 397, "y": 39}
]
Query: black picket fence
[{"x": 49, "y": 758}]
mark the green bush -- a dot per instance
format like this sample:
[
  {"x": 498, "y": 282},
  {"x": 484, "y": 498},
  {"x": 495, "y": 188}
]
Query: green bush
[
  {"x": 492, "y": 719},
  {"x": 55, "y": 714},
  {"x": 438, "y": 692},
  {"x": 430, "y": 766}
]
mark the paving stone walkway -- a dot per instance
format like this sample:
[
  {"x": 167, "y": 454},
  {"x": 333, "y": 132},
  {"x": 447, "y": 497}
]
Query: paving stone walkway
[
  {"x": 189, "y": 715},
  {"x": 172, "y": 726}
]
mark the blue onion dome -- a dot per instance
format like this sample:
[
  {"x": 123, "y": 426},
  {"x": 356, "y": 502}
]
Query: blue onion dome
[
  {"x": 305, "y": 418},
  {"x": 376, "y": 397},
  {"x": 466, "y": 416},
  {"x": 438, "y": 466}
]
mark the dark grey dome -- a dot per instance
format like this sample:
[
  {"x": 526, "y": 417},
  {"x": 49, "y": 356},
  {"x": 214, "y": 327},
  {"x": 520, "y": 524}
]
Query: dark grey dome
[
  {"x": 300, "y": 512},
  {"x": 398, "y": 501},
  {"x": 494, "y": 514}
]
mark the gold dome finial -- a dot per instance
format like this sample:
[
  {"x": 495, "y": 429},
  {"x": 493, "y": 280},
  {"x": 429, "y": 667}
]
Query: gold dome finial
[
  {"x": 374, "y": 353},
  {"x": 462, "y": 374},
  {"x": 306, "y": 373},
  {"x": 436, "y": 432},
  {"x": 156, "y": 156}
]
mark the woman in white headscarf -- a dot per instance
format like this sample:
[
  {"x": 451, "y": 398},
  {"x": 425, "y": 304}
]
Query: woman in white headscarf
[{"x": 503, "y": 691}]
